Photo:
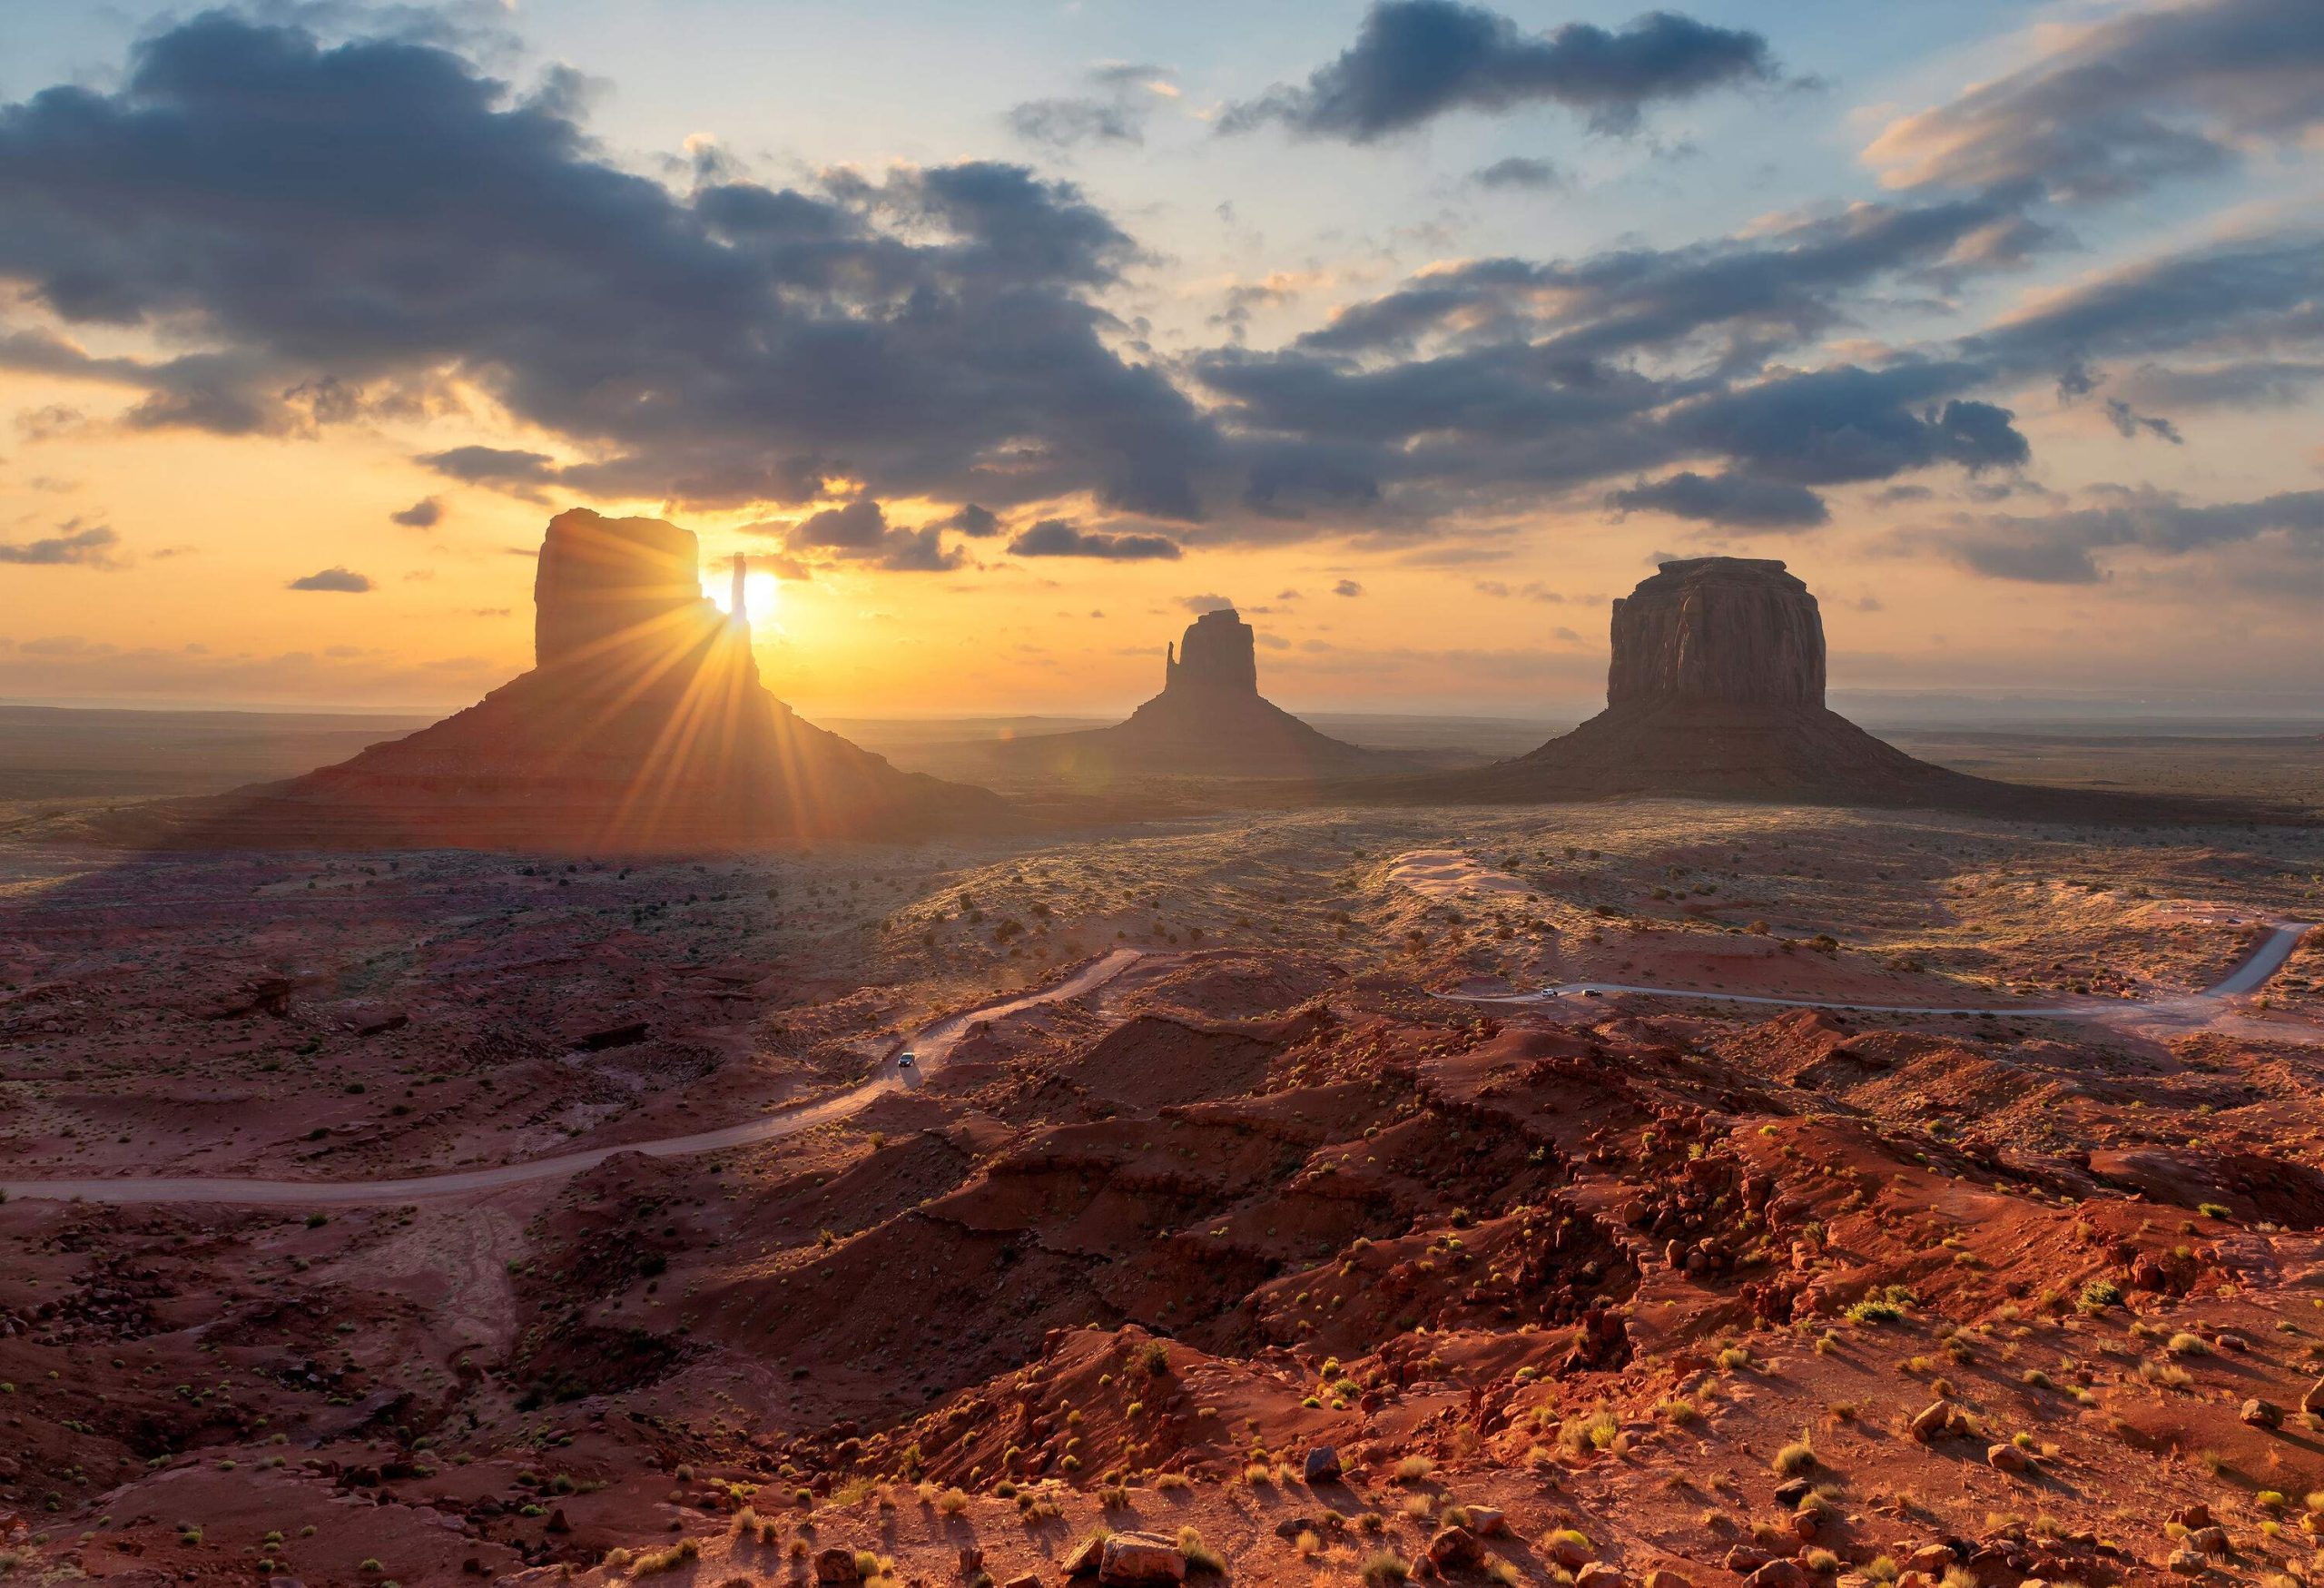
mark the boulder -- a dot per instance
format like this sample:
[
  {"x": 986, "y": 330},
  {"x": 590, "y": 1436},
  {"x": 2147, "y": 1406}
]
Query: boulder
[
  {"x": 1778, "y": 1574},
  {"x": 1742, "y": 1560},
  {"x": 1080, "y": 1561},
  {"x": 2190, "y": 1516},
  {"x": 1322, "y": 1465},
  {"x": 2006, "y": 1458},
  {"x": 1455, "y": 1548},
  {"x": 1663, "y": 1577},
  {"x": 2313, "y": 1401},
  {"x": 836, "y": 1565},
  {"x": 1141, "y": 1557},
  {"x": 1024, "y": 1580},
  {"x": 1932, "y": 1423},
  {"x": 971, "y": 1560},
  {"x": 2261, "y": 1414},
  {"x": 1599, "y": 1574},
  {"x": 1484, "y": 1520},
  {"x": 2212, "y": 1541}
]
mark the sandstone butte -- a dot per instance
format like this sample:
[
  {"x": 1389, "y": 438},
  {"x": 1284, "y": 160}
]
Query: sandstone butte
[
  {"x": 642, "y": 728},
  {"x": 1210, "y": 720},
  {"x": 1715, "y": 690}
]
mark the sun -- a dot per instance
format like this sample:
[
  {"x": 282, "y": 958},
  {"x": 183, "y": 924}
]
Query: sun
[{"x": 761, "y": 594}]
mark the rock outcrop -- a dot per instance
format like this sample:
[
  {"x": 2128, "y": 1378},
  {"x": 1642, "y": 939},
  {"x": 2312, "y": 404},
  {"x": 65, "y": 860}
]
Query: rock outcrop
[
  {"x": 1718, "y": 631},
  {"x": 1219, "y": 655},
  {"x": 642, "y": 728},
  {"x": 1716, "y": 690},
  {"x": 1209, "y": 720}
]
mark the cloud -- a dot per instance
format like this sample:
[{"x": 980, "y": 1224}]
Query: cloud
[
  {"x": 1056, "y": 538},
  {"x": 1347, "y": 588},
  {"x": 1414, "y": 60},
  {"x": 72, "y": 545},
  {"x": 1732, "y": 501},
  {"x": 976, "y": 522},
  {"x": 859, "y": 531},
  {"x": 1518, "y": 171},
  {"x": 1127, "y": 95},
  {"x": 424, "y": 514},
  {"x": 2063, "y": 548},
  {"x": 335, "y": 579},
  {"x": 2122, "y": 104},
  {"x": 48, "y": 422},
  {"x": 1205, "y": 603},
  {"x": 1831, "y": 427},
  {"x": 251, "y": 189}
]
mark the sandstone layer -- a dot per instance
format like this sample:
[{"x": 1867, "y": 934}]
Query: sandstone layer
[
  {"x": 642, "y": 728},
  {"x": 1209, "y": 720}
]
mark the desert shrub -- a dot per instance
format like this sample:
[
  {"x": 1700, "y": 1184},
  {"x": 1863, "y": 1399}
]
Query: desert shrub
[
  {"x": 1593, "y": 1430},
  {"x": 1793, "y": 1459},
  {"x": 1200, "y": 1556},
  {"x": 1414, "y": 1468},
  {"x": 1385, "y": 1568},
  {"x": 683, "y": 1553}
]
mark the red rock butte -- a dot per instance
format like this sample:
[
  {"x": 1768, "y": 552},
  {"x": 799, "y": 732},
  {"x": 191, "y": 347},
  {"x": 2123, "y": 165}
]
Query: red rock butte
[
  {"x": 642, "y": 728},
  {"x": 1715, "y": 690},
  {"x": 1210, "y": 720}
]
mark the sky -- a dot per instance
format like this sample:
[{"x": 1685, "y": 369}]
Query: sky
[{"x": 1002, "y": 339}]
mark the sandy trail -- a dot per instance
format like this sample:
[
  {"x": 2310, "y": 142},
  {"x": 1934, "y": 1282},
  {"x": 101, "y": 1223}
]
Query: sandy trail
[
  {"x": 930, "y": 1047},
  {"x": 1447, "y": 874},
  {"x": 2262, "y": 963}
]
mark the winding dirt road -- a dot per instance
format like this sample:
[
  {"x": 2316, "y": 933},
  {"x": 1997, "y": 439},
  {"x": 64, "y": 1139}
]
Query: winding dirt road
[
  {"x": 2262, "y": 963},
  {"x": 931, "y": 1048}
]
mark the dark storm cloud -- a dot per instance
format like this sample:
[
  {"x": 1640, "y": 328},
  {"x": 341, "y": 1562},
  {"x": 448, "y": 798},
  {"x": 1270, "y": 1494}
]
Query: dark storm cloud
[
  {"x": 859, "y": 531},
  {"x": 340, "y": 580},
  {"x": 72, "y": 545},
  {"x": 1725, "y": 499},
  {"x": 424, "y": 514},
  {"x": 379, "y": 215},
  {"x": 2165, "y": 91},
  {"x": 1056, "y": 538},
  {"x": 1414, "y": 60},
  {"x": 2060, "y": 547}
]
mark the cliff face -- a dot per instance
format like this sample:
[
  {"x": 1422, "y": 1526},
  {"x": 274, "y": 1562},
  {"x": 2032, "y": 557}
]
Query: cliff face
[
  {"x": 1718, "y": 630},
  {"x": 1218, "y": 656},
  {"x": 604, "y": 582}
]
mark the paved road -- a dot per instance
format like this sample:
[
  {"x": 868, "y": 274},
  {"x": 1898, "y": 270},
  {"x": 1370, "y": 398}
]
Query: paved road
[
  {"x": 2263, "y": 962},
  {"x": 933, "y": 1045}
]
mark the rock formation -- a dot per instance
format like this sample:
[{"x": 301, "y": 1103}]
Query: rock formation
[
  {"x": 1716, "y": 690},
  {"x": 1718, "y": 631},
  {"x": 1210, "y": 720},
  {"x": 641, "y": 728}
]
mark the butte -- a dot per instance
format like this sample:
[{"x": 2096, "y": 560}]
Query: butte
[
  {"x": 1209, "y": 720},
  {"x": 642, "y": 728},
  {"x": 1715, "y": 690}
]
